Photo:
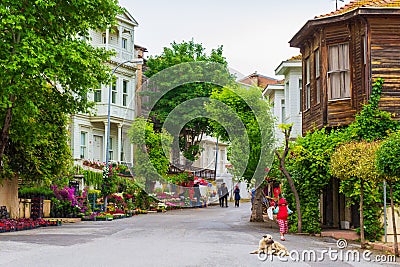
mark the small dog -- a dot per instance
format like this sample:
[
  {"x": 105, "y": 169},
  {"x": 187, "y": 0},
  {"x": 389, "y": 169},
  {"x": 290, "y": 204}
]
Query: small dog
[{"x": 270, "y": 247}]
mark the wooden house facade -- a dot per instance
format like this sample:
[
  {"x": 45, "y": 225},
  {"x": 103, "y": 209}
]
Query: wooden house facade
[{"x": 342, "y": 54}]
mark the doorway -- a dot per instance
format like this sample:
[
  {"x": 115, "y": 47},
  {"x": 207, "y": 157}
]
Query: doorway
[{"x": 98, "y": 148}]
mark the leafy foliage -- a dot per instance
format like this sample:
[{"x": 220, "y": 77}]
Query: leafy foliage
[
  {"x": 251, "y": 141},
  {"x": 308, "y": 165},
  {"x": 92, "y": 178},
  {"x": 29, "y": 192},
  {"x": 185, "y": 52},
  {"x": 255, "y": 114},
  {"x": 372, "y": 123},
  {"x": 355, "y": 159},
  {"x": 388, "y": 157},
  {"x": 372, "y": 204},
  {"x": 46, "y": 71},
  {"x": 353, "y": 162},
  {"x": 151, "y": 161}
]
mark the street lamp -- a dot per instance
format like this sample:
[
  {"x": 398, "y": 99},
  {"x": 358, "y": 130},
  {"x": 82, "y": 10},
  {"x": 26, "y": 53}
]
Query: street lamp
[{"x": 108, "y": 117}]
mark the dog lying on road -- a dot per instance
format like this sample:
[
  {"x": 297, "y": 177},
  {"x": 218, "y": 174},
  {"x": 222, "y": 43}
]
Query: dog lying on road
[{"x": 268, "y": 246}]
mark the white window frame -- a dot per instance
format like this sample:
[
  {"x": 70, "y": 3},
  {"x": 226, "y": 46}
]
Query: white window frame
[
  {"x": 124, "y": 43},
  {"x": 317, "y": 75},
  {"x": 114, "y": 92},
  {"x": 125, "y": 85},
  {"x": 83, "y": 145},
  {"x": 307, "y": 92},
  {"x": 301, "y": 94},
  {"x": 122, "y": 152},
  {"x": 97, "y": 95},
  {"x": 110, "y": 149},
  {"x": 283, "y": 110},
  {"x": 339, "y": 71}
]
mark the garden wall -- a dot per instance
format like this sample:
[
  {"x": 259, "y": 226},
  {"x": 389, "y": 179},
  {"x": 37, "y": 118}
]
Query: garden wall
[
  {"x": 390, "y": 224},
  {"x": 9, "y": 196}
]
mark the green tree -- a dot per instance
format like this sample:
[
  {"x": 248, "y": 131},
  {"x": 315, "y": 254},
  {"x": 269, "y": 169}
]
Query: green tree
[
  {"x": 356, "y": 160},
  {"x": 193, "y": 131},
  {"x": 287, "y": 129},
  {"x": 388, "y": 163},
  {"x": 250, "y": 151},
  {"x": 151, "y": 162},
  {"x": 46, "y": 71}
]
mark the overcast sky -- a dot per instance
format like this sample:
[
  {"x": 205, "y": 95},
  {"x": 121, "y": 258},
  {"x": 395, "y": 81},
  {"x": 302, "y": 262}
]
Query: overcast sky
[{"x": 254, "y": 33}]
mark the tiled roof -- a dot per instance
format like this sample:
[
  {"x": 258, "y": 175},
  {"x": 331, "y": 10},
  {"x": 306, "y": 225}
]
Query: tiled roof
[
  {"x": 354, "y": 4},
  {"x": 298, "y": 57}
]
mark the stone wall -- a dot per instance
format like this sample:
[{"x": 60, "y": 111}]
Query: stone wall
[{"x": 9, "y": 196}]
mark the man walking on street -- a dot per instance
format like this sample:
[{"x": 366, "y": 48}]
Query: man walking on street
[
  {"x": 225, "y": 195},
  {"x": 220, "y": 196}
]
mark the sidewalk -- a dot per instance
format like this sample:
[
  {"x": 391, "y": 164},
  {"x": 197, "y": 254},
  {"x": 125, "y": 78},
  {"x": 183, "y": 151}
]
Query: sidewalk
[
  {"x": 338, "y": 234},
  {"x": 353, "y": 236}
]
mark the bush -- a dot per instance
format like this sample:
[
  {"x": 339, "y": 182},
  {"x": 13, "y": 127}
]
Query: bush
[{"x": 29, "y": 192}]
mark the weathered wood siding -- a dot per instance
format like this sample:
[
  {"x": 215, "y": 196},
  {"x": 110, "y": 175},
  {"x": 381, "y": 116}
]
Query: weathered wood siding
[
  {"x": 385, "y": 60},
  {"x": 340, "y": 112},
  {"x": 374, "y": 47},
  {"x": 335, "y": 112},
  {"x": 312, "y": 117},
  {"x": 358, "y": 57}
]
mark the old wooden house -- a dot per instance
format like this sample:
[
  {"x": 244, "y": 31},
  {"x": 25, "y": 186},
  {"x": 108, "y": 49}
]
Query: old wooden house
[{"x": 343, "y": 52}]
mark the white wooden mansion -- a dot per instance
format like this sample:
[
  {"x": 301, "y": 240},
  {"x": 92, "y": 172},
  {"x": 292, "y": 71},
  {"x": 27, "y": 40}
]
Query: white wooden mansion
[
  {"x": 88, "y": 131},
  {"x": 285, "y": 97}
]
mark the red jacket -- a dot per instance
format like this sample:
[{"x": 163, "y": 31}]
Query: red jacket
[{"x": 283, "y": 212}]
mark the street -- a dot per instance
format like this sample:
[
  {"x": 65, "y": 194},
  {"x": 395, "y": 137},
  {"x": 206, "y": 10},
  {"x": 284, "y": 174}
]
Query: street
[{"x": 211, "y": 236}]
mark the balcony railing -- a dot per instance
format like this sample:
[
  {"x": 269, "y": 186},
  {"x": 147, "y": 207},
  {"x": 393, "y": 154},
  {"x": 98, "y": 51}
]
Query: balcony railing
[{"x": 122, "y": 54}]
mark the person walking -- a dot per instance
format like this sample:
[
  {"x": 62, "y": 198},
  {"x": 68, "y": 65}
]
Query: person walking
[
  {"x": 197, "y": 193},
  {"x": 282, "y": 212},
  {"x": 220, "y": 196},
  {"x": 225, "y": 195},
  {"x": 237, "y": 195}
]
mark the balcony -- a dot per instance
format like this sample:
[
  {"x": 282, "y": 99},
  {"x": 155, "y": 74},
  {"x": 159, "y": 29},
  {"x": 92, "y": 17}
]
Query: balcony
[
  {"x": 116, "y": 111},
  {"x": 122, "y": 54}
]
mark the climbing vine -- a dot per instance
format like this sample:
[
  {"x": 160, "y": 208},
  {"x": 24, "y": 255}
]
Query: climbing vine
[
  {"x": 309, "y": 166},
  {"x": 309, "y": 162}
]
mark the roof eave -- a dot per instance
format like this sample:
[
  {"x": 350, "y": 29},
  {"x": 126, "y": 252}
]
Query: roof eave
[
  {"x": 281, "y": 69},
  {"x": 311, "y": 24}
]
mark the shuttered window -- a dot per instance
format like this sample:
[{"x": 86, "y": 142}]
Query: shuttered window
[{"x": 307, "y": 92}]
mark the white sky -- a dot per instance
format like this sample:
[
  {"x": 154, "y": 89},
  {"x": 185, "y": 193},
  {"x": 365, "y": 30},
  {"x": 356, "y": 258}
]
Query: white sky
[{"x": 254, "y": 33}]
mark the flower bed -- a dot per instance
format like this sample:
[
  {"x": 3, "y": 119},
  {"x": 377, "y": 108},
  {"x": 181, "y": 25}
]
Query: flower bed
[{"x": 10, "y": 225}]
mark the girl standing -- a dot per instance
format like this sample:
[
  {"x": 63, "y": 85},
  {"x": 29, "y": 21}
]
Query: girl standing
[{"x": 283, "y": 212}]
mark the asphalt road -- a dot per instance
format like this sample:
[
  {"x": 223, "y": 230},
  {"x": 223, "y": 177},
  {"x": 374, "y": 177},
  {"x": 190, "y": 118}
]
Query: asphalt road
[{"x": 211, "y": 236}]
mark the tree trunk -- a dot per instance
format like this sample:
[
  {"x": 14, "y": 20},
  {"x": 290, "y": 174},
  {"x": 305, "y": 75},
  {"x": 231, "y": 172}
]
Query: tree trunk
[
  {"x": 175, "y": 152},
  {"x": 282, "y": 158},
  {"x": 396, "y": 248},
  {"x": 257, "y": 211},
  {"x": 295, "y": 193},
  {"x": 6, "y": 130},
  {"x": 362, "y": 235}
]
